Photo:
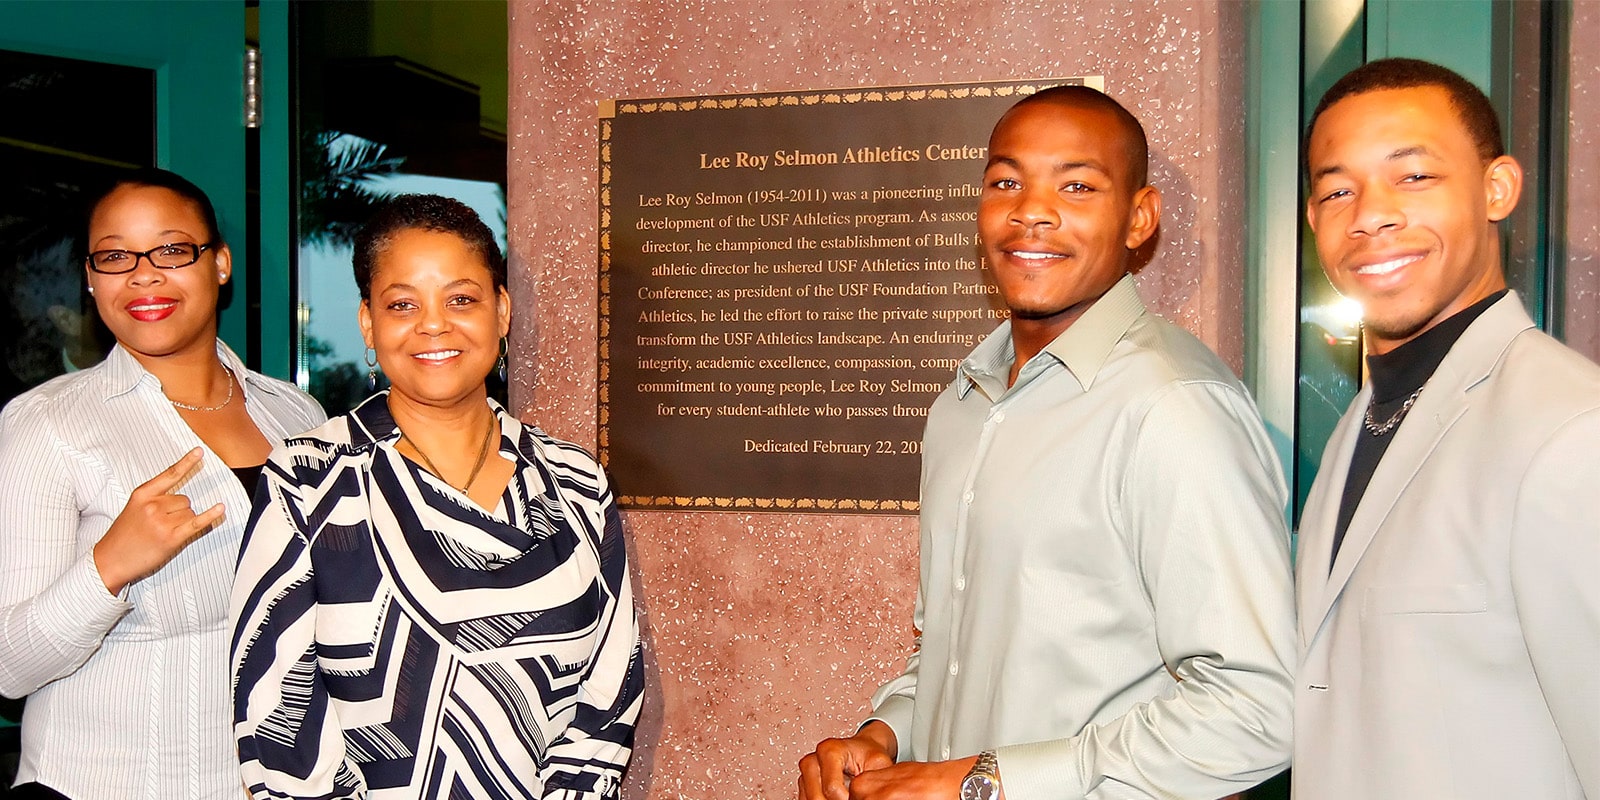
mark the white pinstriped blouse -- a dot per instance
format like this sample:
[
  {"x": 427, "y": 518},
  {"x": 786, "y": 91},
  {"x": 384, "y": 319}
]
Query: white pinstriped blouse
[{"x": 128, "y": 694}]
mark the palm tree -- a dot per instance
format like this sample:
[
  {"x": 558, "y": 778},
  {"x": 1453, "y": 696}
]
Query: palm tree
[{"x": 336, "y": 171}]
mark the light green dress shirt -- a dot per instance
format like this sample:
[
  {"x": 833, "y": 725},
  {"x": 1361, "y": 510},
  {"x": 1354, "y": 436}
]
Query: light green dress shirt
[{"x": 1105, "y": 593}]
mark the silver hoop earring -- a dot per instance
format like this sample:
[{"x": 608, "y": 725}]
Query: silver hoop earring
[{"x": 372, "y": 369}]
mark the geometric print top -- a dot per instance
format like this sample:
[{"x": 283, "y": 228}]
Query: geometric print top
[{"x": 392, "y": 639}]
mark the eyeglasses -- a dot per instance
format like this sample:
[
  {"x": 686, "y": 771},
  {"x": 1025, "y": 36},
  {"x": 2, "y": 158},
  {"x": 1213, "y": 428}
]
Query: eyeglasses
[{"x": 167, "y": 256}]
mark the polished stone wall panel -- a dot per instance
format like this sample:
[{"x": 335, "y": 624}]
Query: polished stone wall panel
[
  {"x": 768, "y": 632},
  {"x": 1581, "y": 282}
]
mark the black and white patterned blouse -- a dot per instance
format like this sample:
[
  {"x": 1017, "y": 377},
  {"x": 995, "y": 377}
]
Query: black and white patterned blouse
[{"x": 394, "y": 640}]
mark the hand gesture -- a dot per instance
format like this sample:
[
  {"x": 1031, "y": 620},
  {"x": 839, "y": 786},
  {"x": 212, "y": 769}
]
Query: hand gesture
[
  {"x": 153, "y": 527},
  {"x": 826, "y": 774}
]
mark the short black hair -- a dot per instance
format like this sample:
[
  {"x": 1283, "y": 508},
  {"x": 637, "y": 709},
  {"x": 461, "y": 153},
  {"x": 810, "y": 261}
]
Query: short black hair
[
  {"x": 1470, "y": 103},
  {"x": 160, "y": 179},
  {"x": 425, "y": 212},
  {"x": 1133, "y": 135}
]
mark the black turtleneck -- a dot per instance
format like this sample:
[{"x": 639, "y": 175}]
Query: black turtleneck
[{"x": 1395, "y": 376}]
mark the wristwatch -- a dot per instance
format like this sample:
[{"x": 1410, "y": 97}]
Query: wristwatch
[{"x": 983, "y": 780}]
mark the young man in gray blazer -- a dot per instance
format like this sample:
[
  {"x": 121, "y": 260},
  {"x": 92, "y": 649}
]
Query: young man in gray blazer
[{"x": 1449, "y": 567}]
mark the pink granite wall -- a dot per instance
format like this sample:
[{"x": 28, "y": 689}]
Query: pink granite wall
[
  {"x": 1582, "y": 280},
  {"x": 769, "y": 632}
]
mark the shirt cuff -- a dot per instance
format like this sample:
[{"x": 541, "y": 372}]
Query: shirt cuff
[
  {"x": 895, "y": 712},
  {"x": 605, "y": 788},
  {"x": 1039, "y": 770},
  {"x": 78, "y": 608}
]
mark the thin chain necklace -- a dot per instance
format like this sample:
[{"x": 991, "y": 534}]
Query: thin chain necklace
[
  {"x": 1378, "y": 430},
  {"x": 483, "y": 456},
  {"x": 225, "y": 402}
]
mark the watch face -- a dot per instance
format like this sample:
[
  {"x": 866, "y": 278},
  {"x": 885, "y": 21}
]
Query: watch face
[{"x": 979, "y": 787}]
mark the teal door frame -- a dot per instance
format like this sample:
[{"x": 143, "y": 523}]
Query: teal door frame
[
  {"x": 275, "y": 336},
  {"x": 1272, "y": 130},
  {"x": 200, "y": 129},
  {"x": 197, "y": 53}
]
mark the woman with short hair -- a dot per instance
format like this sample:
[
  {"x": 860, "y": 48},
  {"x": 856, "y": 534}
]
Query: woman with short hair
[{"x": 433, "y": 599}]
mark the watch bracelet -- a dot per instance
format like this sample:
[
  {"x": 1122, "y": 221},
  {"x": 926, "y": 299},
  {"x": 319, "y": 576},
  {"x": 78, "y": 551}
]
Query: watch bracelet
[{"x": 988, "y": 764}]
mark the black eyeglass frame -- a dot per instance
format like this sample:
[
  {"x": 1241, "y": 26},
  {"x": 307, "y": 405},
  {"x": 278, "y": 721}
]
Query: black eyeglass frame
[{"x": 148, "y": 255}]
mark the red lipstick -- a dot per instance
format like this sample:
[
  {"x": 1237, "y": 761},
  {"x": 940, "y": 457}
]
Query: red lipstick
[{"x": 151, "y": 309}]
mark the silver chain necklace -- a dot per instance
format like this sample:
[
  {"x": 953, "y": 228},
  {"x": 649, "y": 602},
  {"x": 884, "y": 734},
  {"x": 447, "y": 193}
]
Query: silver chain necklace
[
  {"x": 1378, "y": 430},
  {"x": 225, "y": 402}
]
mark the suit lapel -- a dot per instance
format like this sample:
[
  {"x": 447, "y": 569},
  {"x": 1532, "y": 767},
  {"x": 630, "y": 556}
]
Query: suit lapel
[
  {"x": 1437, "y": 408},
  {"x": 1443, "y": 401},
  {"x": 1322, "y": 514}
]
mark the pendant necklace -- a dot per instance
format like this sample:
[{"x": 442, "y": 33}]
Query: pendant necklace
[{"x": 483, "y": 456}]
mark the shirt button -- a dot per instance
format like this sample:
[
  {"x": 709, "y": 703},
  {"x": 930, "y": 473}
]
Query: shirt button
[
  {"x": 967, "y": 498},
  {"x": 999, "y": 416},
  {"x": 944, "y": 753},
  {"x": 954, "y": 668},
  {"x": 961, "y": 582}
]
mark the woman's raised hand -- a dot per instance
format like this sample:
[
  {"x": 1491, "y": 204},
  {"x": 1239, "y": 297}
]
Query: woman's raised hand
[{"x": 153, "y": 527}]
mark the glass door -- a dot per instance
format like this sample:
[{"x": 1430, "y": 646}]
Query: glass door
[{"x": 389, "y": 98}]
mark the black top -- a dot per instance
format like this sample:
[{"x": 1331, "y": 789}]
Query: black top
[
  {"x": 1395, "y": 375},
  {"x": 248, "y": 476}
]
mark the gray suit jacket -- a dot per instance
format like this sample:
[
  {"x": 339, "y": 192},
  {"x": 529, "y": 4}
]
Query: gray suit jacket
[{"x": 1453, "y": 651}]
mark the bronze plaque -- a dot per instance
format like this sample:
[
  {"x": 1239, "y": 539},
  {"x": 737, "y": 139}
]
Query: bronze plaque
[{"x": 787, "y": 281}]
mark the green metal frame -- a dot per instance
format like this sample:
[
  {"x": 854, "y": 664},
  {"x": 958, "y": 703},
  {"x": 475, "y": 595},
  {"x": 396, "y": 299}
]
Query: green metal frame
[
  {"x": 277, "y": 186},
  {"x": 1333, "y": 42},
  {"x": 197, "y": 53},
  {"x": 1459, "y": 34},
  {"x": 1272, "y": 128}
]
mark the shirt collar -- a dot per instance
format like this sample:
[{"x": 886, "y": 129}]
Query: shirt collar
[
  {"x": 1082, "y": 348},
  {"x": 371, "y": 422},
  {"x": 122, "y": 372},
  {"x": 1406, "y": 368}
]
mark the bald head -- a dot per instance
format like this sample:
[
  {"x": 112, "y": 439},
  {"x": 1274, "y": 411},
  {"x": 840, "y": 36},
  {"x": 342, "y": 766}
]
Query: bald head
[{"x": 1129, "y": 133}]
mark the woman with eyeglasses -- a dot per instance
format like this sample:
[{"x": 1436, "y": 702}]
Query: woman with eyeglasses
[
  {"x": 124, "y": 493},
  {"x": 433, "y": 599}
]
